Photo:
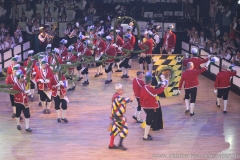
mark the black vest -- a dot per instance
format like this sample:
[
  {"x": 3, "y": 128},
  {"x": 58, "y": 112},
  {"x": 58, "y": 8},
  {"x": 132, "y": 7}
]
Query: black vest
[
  {"x": 23, "y": 19},
  {"x": 29, "y": 27}
]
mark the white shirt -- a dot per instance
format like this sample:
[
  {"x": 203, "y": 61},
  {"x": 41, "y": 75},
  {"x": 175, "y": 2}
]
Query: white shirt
[{"x": 156, "y": 37}]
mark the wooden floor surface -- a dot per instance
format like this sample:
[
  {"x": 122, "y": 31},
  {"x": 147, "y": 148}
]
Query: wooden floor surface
[{"x": 208, "y": 132}]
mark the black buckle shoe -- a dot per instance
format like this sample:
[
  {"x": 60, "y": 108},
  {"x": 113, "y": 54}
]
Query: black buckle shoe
[
  {"x": 192, "y": 114},
  {"x": 21, "y": 118},
  {"x": 123, "y": 76},
  {"x": 96, "y": 75},
  {"x": 69, "y": 89},
  {"x": 187, "y": 111},
  {"x": 122, "y": 148},
  {"x": 74, "y": 87},
  {"x": 100, "y": 74},
  {"x": 48, "y": 111},
  {"x": 149, "y": 138},
  {"x": 134, "y": 117},
  {"x": 224, "y": 112},
  {"x": 85, "y": 83},
  {"x": 126, "y": 76},
  {"x": 59, "y": 120},
  {"x": 29, "y": 130},
  {"x": 80, "y": 78},
  {"x": 19, "y": 127},
  {"x": 114, "y": 147},
  {"x": 65, "y": 120},
  {"x": 44, "y": 111},
  {"x": 118, "y": 70}
]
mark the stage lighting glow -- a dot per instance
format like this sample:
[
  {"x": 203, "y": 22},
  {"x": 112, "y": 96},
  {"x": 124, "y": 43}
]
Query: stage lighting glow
[{"x": 239, "y": 2}]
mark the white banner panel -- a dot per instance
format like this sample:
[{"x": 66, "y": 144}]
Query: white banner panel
[
  {"x": 238, "y": 70},
  {"x": 62, "y": 27},
  {"x": 7, "y": 63},
  {"x": 184, "y": 52},
  {"x": 25, "y": 55},
  {"x": 185, "y": 46},
  {"x": 236, "y": 81},
  {"x": 7, "y": 54},
  {"x": 226, "y": 63},
  {"x": 214, "y": 69},
  {"x": 17, "y": 49},
  {"x": 26, "y": 46},
  {"x": 22, "y": 25}
]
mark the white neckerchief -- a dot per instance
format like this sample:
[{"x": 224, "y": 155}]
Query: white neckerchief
[
  {"x": 79, "y": 45},
  {"x": 44, "y": 74},
  {"x": 108, "y": 46},
  {"x": 69, "y": 57},
  {"x": 85, "y": 49},
  {"x": 21, "y": 86}
]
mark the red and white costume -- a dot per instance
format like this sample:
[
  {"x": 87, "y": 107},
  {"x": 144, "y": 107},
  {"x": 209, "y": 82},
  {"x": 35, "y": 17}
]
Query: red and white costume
[
  {"x": 62, "y": 51},
  {"x": 137, "y": 85},
  {"x": 169, "y": 41},
  {"x": 196, "y": 62}
]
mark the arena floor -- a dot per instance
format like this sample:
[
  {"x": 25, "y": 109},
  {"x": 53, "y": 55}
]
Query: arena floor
[{"x": 207, "y": 133}]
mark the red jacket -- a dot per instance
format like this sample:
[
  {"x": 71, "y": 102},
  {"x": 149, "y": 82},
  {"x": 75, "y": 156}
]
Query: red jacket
[
  {"x": 128, "y": 47},
  {"x": 9, "y": 70},
  {"x": 21, "y": 97},
  {"x": 101, "y": 45},
  {"x": 10, "y": 79},
  {"x": 147, "y": 100},
  {"x": 137, "y": 85},
  {"x": 87, "y": 52},
  {"x": 25, "y": 64},
  {"x": 170, "y": 43},
  {"x": 148, "y": 43},
  {"x": 196, "y": 62},
  {"x": 191, "y": 78},
  {"x": 110, "y": 51},
  {"x": 132, "y": 41},
  {"x": 94, "y": 38},
  {"x": 53, "y": 62},
  {"x": 63, "y": 51},
  {"x": 223, "y": 79},
  {"x": 40, "y": 75},
  {"x": 78, "y": 47},
  {"x": 119, "y": 43},
  {"x": 71, "y": 58},
  {"x": 52, "y": 85}
]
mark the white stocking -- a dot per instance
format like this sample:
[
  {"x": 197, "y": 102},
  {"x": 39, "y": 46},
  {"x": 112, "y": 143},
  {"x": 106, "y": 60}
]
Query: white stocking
[
  {"x": 225, "y": 105},
  {"x": 43, "y": 104},
  {"x": 218, "y": 101},
  {"x": 100, "y": 69},
  {"x": 146, "y": 132},
  {"x": 127, "y": 71},
  {"x": 27, "y": 122},
  {"x": 187, "y": 103},
  {"x": 49, "y": 105},
  {"x": 18, "y": 120},
  {"x": 150, "y": 68},
  {"x": 14, "y": 109},
  {"x": 63, "y": 113},
  {"x": 191, "y": 107},
  {"x": 141, "y": 67},
  {"x": 58, "y": 113}
]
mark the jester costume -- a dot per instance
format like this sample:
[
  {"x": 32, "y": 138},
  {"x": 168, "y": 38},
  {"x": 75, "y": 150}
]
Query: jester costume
[{"x": 119, "y": 122}]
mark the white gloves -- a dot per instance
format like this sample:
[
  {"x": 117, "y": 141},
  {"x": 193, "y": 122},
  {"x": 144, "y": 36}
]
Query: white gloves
[
  {"x": 34, "y": 73},
  {"x": 79, "y": 53},
  {"x": 47, "y": 81},
  {"x": 101, "y": 53},
  {"x": 93, "y": 47},
  {"x": 120, "y": 48},
  {"x": 165, "y": 83},
  {"x": 98, "y": 49},
  {"x": 57, "y": 85},
  {"x": 68, "y": 63},
  {"x": 87, "y": 37},
  {"x": 172, "y": 50},
  {"x": 209, "y": 55},
  {"x": 139, "y": 41},
  {"x": 179, "y": 91},
  {"x": 61, "y": 83},
  {"x": 207, "y": 64},
  {"x": 25, "y": 68},
  {"x": 234, "y": 69},
  {"x": 41, "y": 80},
  {"x": 186, "y": 55},
  {"x": 215, "y": 91},
  {"x": 114, "y": 45}
]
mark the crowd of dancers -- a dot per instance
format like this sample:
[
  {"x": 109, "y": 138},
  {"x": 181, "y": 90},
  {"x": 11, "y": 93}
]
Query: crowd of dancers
[{"x": 50, "y": 86}]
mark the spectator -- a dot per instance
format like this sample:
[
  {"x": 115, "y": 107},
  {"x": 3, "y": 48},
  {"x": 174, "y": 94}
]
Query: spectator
[
  {"x": 7, "y": 6},
  {"x": 71, "y": 4},
  {"x": 18, "y": 35},
  {"x": 83, "y": 5},
  {"x": 39, "y": 19},
  {"x": 237, "y": 41},
  {"x": 231, "y": 31},
  {"x": 68, "y": 30},
  {"x": 79, "y": 14},
  {"x": 91, "y": 10},
  {"x": 238, "y": 26},
  {"x": 218, "y": 41},
  {"x": 1, "y": 38},
  {"x": 213, "y": 9},
  {"x": 217, "y": 30},
  {"x": 61, "y": 9},
  {"x": 225, "y": 37},
  {"x": 83, "y": 27},
  {"x": 23, "y": 18},
  {"x": 214, "y": 49},
  {"x": 195, "y": 40},
  {"x": 213, "y": 36},
  {"x": 35, "y": 31},
  {"x": 63, "y": 18},
  {"x": 10, "y": 40},
  {"x": 231, "y": 44},
  {"x": 192, "y": 32},
  {"x": 228, "y": 55},
  {"x": 3, "y": 29},
  {"x": 46, "y": 10},
  {"x": 56, "y": 7},
  {"x": 220, "y": 10},
  {"x": 29, "y": 35},
  {"x": 49, "y": 19},
  {"x": 207, "y": 45},
  {"x": 226, "y": 19},
  {"x": 202, "y": 39},
  {"x": 224, "y": 47},
  {"x": 236, "y": 58}
]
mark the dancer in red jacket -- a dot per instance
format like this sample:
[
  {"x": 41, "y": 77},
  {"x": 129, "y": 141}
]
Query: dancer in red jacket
[
  {"x": 190, "y": 78},
  {"x": 149, "y": 102},
  {"x": 137, "y": 84},
  {"x": 222, "y": 84},
  {"x": 169, "y": 41}
]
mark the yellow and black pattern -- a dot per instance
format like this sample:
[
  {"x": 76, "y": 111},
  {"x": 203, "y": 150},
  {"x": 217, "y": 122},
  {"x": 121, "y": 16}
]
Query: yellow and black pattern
[
  {"x": 119, "y": 124},
  {"x": 172, "y": 63}
]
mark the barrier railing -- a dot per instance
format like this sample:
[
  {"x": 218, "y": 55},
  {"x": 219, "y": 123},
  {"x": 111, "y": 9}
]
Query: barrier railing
[
  {"x": 20, "y": 49},
  {"x": 213, "y": 68}
]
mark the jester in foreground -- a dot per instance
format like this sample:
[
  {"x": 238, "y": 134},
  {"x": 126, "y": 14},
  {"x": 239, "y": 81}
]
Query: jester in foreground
[{"x": 119, "y": 122}]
